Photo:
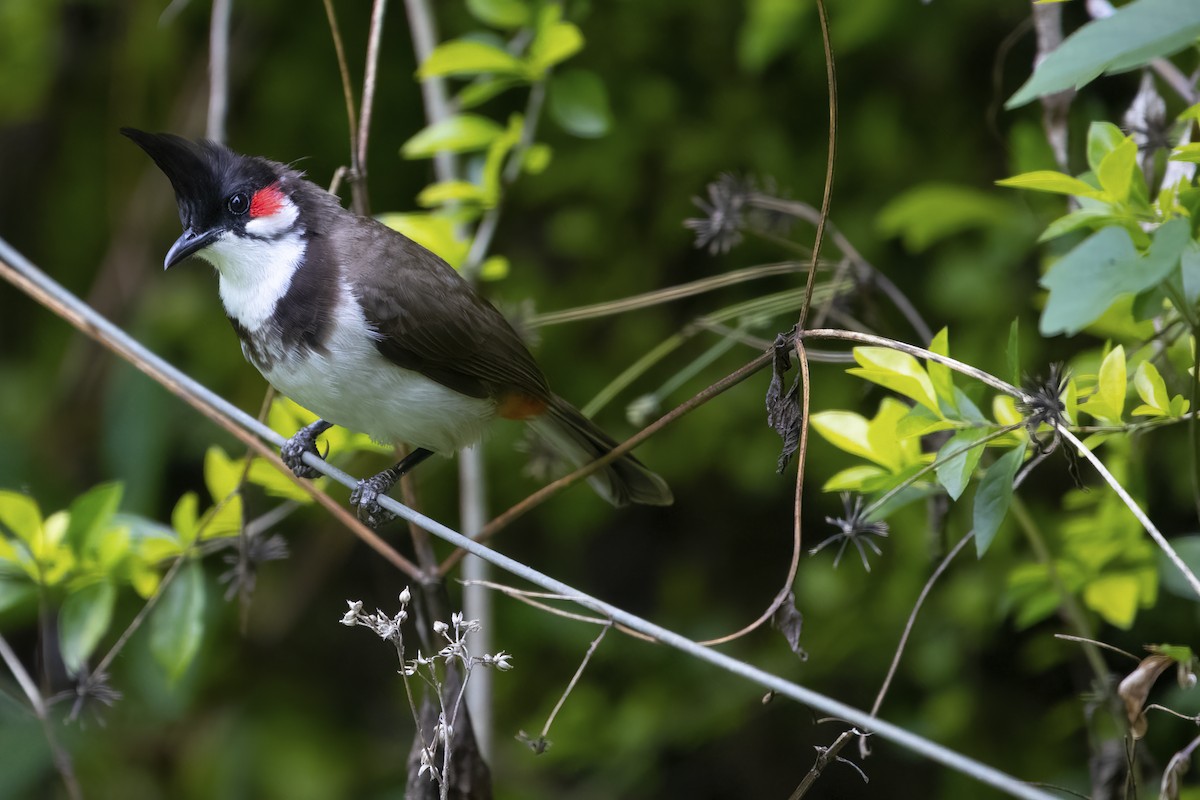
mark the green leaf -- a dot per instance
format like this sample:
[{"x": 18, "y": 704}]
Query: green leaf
[
  {"x": 20, "y": 517},
  {"x": 503, "y": 14},
  {"x": 844, "y": 430},
  {"x": 537, "y": 158},
  {"x": 1050, "y": 181},
  {"x": 435, "y": 194},
  {"x": 1105, "y": 266},
  {"x": 941, "y": 376},
  {"x": 185, "y": 518},
  {"x": 853, "y": 479},
  {"x": 498, "y": 151},
  {"x": 223, "y": 519},
  {"x": 1108, "y": 401},
  {"x": 1115, "y": 172},
  {"x": 1114, "y": 597},
  {"x": 1094, "y": 218},
  {"x": 554, "y": 42},
  {"x": 994, "y": 496},
  {"x": 1013, "y": 352},
  {"x": 276, "y": 484},
  {"x": 494, "y": 268},
  {"x": 177, "y": 627},
  {"x": 1189, "y": 153},
  {"x": 90, "y": 513},
  {"x": 955, "y": 472},
  {"x": 933, "y": 212},
  {"x": 1102, "y": 138},
  {"x": 1151, "y": 387},
  {"x": 222, "y": 474},
  {"x": 771, "y": 28},
  {"x": 897, "y": 371},
  {"x": 1135, "y": 35},
  {"x": 468, "y": 57},
  {"x": 461, "y": 133},
  {"x": 15, "y": 592},
  {"x": 578, "y": 102},
  {"x": 83, "y": 621}
]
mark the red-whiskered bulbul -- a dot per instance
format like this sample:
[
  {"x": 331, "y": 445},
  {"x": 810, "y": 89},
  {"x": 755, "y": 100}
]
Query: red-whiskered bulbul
[{"x": 364, "y": 327}]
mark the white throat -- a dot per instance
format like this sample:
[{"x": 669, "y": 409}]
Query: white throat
[{"x": 254, "y": 274}]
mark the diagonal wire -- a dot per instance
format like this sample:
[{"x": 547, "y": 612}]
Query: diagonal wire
[{"x": 14, "y": 265}]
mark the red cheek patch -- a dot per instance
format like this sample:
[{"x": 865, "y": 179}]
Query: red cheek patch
[{"x": 266, "y": 201}]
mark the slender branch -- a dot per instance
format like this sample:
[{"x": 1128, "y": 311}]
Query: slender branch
[
  {"x": 827, "y": 196},
  {"x": 62, "y": 761},
  {"x": 358, "y": 197},
  {"x": 218, "y": 69},
  {"x": 912, "y": 619},
  {"x": 38, "y": 285},
  {"x": 1151, "y": 529},
  {"x": 368, "y": 96},
  {"x": 825, "y": 757},
  {"x": 574, "y": 680}
]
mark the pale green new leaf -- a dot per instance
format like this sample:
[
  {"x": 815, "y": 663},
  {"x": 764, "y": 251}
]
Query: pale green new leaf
[
  {"x": 554, "y": 42},
  {"x": 941, "y": 376},
  {"x": 436, "y": 194},
  {"x": 460, "y": 133},
  {"x": 19, "y": 516},
  {"x": 1114, "y": 596},
  {"x": 185, "y": 518},
  {"x": 222, "y": 474},
  {"x": 1053, "y": 182},
  {"x": 897, "y": 371},
  {"x": 467, "y": 57},
  {"x": 1115, "y": 172},
  {"x": 1102, "y": 138},
  {"x": 1108, "y": 401},
  {"x": 853, "y": 479}
]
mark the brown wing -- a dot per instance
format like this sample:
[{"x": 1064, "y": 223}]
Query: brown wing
[{"x": 433, "y": 322}]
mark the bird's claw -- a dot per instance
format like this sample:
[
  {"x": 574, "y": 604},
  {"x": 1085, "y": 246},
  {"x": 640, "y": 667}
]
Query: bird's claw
[
  {"x": 365, "y": 496},
  {"x": 293, "y": 450}
]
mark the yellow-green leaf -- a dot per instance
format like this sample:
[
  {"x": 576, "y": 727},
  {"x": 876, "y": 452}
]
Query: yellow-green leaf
[
  {"x": 897, "y": 371},
  {"x": 1151, "y": 387},
  {"x": 1050, "y": 181},
  {"x": 435, "y": 232},
  {"x": 852, "y": 479},
  {"x": 1108, "y": 401},
  {"x": 1116, "y": 170},
  {"x": 1114, "y": 597},
  {"x": 468, "y": 57},
  {"x": 19, "y": 514},
  {"x": 461, "y": 133},
  {"x": 222, "y": 474},
  {"x": 185, "y": 517}
]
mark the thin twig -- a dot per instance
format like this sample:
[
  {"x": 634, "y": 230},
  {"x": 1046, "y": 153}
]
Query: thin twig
[
  {"x": 574, "y": 680},
  {"x": 831, "y": 159},
  {"x": 1081, "y": 640},
  {"x": 912, "y": 619},
  {"x": 218, "y": 69},
  {"x": 358, "y": 199},
  {"x": 825, "y": 757},
  {"x": 368, "y": 94},
  {"x": 62, "y": 760}
]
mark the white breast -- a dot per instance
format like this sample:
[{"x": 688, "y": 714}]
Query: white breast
[{"x": 352, "y": 385}]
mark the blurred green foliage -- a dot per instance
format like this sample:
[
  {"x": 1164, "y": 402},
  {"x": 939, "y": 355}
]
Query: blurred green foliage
[{"x": 656, "y": 100}]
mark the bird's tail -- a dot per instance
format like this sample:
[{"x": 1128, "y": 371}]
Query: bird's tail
[{"x": 579, "y": 440}]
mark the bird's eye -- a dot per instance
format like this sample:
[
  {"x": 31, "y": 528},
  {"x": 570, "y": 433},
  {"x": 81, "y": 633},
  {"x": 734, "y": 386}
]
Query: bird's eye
[{"x": 239, "y": 204}]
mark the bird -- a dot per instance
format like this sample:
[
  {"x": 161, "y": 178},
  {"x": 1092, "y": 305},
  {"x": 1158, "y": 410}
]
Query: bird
[{"x": 363, "y": 326}]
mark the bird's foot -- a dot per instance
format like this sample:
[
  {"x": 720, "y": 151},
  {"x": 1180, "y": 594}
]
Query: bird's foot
[
  {"x": 303, "y": 441},
  {"x": 365, "y": 496}
]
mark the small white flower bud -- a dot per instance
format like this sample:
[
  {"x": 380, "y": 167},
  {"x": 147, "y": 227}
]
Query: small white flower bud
[
  {"x": 440, "y": 627},
  {"x": 351, "y": 616},
  {"x": 405, "y": 596}
]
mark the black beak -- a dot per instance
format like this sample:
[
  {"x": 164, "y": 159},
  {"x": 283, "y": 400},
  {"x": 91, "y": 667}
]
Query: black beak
[{"x": 189, "y": 243}]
